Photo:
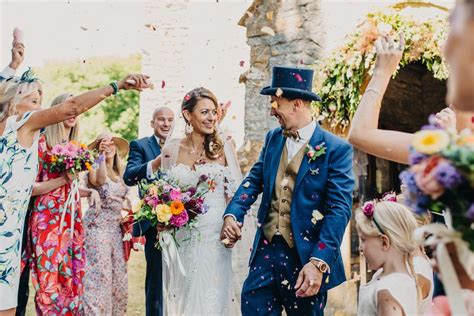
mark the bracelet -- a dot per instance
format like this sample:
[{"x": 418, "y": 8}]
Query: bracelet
[
  {"x": 374, "y": 91},
  {"x": 114, "y": 85}
]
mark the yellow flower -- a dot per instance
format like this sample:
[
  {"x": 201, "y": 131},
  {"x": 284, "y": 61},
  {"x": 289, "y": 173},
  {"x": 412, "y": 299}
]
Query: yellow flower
[
  {"x": 88, "y": 166},
  {"x": 430, "y": 141},
  {"x": 153, "y": 191},
  {"x": 163, "y": 213},
  {"x": 54, "y": 158}
]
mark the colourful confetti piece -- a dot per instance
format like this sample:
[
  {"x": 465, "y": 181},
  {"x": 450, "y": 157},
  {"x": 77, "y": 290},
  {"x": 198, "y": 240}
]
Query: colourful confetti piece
[
  {"x": 244, "y": 196},
  {"x": 298, "y": 77},
  {"x": 321, "y": 245},
  {"x": 241, "y": 63},
  {"x": 268, "y": 30},
  {"x": 163, "y": 84},
  {"x": 316, "y": 216},
  {"x": 278, "y": 92}
]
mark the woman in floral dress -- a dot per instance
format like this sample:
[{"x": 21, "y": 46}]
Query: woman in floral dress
[
  {"x": 105, "y": 280},
  {"x": 57, "y": 253},
  {"x": 21, "y": 119}
]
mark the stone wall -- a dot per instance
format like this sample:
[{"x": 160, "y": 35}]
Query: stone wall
[{"x": 295, "y": 42}]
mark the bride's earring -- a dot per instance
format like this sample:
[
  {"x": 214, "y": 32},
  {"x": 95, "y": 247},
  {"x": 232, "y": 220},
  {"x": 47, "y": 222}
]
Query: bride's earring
[{"x": 188, "y": 129}]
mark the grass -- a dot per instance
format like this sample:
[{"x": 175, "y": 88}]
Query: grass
[{"x": 136, "y": 286}]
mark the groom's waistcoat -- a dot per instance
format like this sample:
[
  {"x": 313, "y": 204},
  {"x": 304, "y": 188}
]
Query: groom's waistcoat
[{"x": 278, "y": 218}]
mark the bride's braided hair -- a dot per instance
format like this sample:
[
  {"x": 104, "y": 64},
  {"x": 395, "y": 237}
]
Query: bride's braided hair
[{"x": 213, "y": 144}]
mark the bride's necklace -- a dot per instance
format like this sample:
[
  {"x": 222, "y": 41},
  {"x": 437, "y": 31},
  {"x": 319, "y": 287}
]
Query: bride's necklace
[{"x": 200, "y": 157}]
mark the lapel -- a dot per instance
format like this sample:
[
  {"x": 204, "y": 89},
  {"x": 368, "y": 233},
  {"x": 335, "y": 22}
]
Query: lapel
[
  {"x": 316, "y": 139},
  {"x": 275, "y": 158},
  {"x": 154, "y": 146}
]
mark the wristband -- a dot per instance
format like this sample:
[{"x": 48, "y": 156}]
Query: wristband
[{"x": 114, "y": 85}]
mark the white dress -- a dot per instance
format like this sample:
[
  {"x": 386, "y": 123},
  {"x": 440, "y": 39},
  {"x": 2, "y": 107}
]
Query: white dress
[
  {"x": 422, "y": 266},
  {"x": 400, "y": 285},
  {"x": 207, "y": 288},
  {"x": 18, "y": 169}
]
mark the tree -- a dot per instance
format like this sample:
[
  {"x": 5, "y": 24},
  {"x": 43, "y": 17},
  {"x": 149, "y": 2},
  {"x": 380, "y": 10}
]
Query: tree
[{"x": 117, "y": 114}]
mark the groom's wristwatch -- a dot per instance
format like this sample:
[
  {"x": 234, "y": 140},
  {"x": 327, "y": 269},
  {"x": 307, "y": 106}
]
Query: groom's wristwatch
[{"x": 320, "y": 265}]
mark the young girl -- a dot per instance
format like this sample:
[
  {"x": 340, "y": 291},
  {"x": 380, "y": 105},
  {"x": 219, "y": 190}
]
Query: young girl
[{"x": 385, "y": 230}]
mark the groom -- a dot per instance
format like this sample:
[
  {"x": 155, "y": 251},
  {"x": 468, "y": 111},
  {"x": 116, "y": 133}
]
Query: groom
[{"x": 305, "y": 174}]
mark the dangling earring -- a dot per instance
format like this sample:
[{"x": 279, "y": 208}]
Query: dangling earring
[{"x": 189, "y": 128}]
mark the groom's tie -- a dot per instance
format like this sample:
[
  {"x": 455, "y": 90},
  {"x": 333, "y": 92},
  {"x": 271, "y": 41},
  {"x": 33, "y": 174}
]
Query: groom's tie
[{"x": 291, "y": 134}]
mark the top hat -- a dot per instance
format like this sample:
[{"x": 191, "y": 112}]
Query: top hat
[
  {"x": 119, "y": 142},
  {"x": 295, "y": 83}
]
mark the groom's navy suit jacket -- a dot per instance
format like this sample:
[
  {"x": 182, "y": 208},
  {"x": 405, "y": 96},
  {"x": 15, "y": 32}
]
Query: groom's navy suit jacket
[
  {"x": 141, "y": 152},
  {"x": 325, "y": 184}
]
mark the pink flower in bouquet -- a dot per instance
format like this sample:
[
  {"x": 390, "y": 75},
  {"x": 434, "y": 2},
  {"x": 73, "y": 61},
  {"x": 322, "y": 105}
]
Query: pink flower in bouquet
[
  {"x": 425, "y": 177},
  {"x": 175, "y": 194},
  {"x": 71, "y": 150},
  {"x": 179, "y": 220},
  {"x": 58, "y": 150}
]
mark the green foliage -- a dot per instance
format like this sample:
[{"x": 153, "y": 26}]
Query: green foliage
[
  {"x": 117, "y": 114},
  {"x": 346, "y": 73}
]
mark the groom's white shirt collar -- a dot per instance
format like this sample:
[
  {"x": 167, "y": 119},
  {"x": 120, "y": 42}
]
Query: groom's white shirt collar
[{"x": 294, "y": 145}]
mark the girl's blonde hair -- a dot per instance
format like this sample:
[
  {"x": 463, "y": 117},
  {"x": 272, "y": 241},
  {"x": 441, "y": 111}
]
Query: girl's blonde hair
[
  {"x": 395, "y": 221},
  {"x": 56, "y": 133},
  {"x": 11, "y": 93}
]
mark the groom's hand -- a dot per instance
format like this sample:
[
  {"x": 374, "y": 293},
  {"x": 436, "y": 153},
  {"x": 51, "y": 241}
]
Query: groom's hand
[
  {"x": 309, "y": 281},
  {"x": 230, "y": 231}
]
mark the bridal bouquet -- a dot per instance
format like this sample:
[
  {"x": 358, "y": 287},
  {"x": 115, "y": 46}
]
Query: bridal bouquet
[
  {"x": 441, "y": 176},
  {"x": 72, "y": 158},
  {"x": 168, "y": 203}
]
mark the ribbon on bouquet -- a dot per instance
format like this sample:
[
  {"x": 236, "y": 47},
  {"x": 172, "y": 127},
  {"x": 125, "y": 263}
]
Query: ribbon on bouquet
[
  {"x": 71, "y": 200},
  {"x": 169, "y": 250},
  {"x": 440, "y": 237}
]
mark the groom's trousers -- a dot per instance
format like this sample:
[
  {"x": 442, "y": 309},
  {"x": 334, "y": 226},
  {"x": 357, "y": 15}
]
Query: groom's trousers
[{"x": 270, "y": 285}]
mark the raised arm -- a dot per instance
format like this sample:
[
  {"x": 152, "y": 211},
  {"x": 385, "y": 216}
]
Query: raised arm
[
  {"x": 76, "y": 105},
  {"x": 364, "y": 133}
]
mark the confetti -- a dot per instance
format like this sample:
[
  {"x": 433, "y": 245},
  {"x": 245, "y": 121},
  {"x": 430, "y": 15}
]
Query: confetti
[
  {"x": 234, "y": 117},
  {"x": 241, "y": 63},
  {"x": 246, "y": 184},
  {"x": 146, "y": 53},
  {"x": 227, "y": 105},
  {"x": 274, "y": 105},
  {"x": 284, "y": 282},
  {"x": 17, "y": 36},
  {"x": 306, "y": 238},
  {"x": 317, "y": 216},
  {"x": 321, "y": 245},
  {"x": 279, "y": 92},
  {"x": 268, "y": 30},
  {"x": 163, "y": 84},
  {"x": 151, "y": 26},
  {"x": 298, "y": 77},
  {"x": 84, "y": 28},
  {"x": 244, "y": 197},
  {"x": 225, "y": 241},
  {"x": 265, "y": 242}
]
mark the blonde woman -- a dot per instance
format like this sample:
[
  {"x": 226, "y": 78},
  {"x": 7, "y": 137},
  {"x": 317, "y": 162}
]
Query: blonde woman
[
  {"x": 21, "y": 119},
  {"x": 105, "y": 281},
  {"x": 64, "y": 255},
  {"x": 385, "y": 230}
]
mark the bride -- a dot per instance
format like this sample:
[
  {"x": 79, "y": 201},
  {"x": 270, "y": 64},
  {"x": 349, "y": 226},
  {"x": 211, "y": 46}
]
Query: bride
[{"x": 198, "y": 280}]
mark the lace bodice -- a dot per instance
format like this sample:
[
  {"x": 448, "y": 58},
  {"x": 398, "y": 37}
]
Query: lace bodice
[{"x": 224, "y": 184}]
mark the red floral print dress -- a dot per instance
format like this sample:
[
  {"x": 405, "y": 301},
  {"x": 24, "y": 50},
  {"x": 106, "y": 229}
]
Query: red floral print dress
[{"x": 57, "y": 253}]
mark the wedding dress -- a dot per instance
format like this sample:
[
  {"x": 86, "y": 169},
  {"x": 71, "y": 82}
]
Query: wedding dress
[
  {"x": 213, "y": 275},
  {"x": 207, "y": 286}
]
